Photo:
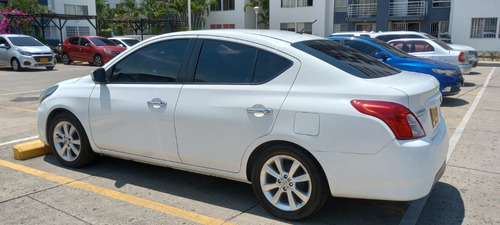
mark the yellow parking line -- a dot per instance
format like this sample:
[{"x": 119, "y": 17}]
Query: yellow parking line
[
  {"x": 177, "y": 212},
  {"x": 17, "y": 108}
]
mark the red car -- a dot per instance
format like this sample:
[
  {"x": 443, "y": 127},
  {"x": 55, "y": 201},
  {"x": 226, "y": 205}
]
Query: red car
[{"x": 93, "y": 49}]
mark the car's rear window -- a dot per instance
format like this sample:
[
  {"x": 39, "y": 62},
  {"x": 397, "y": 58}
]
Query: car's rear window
[
  {"x": 346, "y": 59},
  {"x": 131, "y": 41},
  {"x": 24, "y": 41}
]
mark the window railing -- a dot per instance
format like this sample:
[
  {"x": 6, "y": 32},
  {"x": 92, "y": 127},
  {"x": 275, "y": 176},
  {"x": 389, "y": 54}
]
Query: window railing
[
  {"x": 362, "y": 10},
  {"x": 416, "y": 8}
]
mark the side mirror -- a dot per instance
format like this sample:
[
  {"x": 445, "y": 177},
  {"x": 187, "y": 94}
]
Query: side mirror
[
  {"x": 121, "y": 45},
  {"x": 99, "y": 76},
  {"x": 88, "y": 45},
  {"x": 2, "y": 46},
  {"x": 381, "y": 55}
]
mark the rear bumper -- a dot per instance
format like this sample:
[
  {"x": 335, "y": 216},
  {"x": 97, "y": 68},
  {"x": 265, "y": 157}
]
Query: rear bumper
[
  {"x": 465, "y": 68},
  {"x": 401, "y": 171}
]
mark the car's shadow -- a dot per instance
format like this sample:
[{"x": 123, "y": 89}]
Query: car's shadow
[
  {"x": 29, "y": 70},
  {"x": 240, "y": 197},
  {"x": 453, "y": 102}
]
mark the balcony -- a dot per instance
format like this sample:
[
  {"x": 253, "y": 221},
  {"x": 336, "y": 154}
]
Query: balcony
[
  {"x": 361, "y": 11},
  {"x": 408, "y": 9}
]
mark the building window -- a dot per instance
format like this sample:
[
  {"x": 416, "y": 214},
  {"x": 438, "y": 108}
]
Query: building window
[
  {"x": 405, "y": 26},
  {"x": 73, "y": 30},
  {"x": 305, "y": 27},
  {"x": 341, "y": 5},
  {"x": 441, "y": 3},
  {"x": 223, "y": 5},
  {"x": 222, "y": 26},
  {"x": 296, "y": 3},
  {"x": 287, "y": 26},
  {"x": 484, "y": 28},
  {"x": 76, "y": 9},
  {"x": 340, "y": 27},
  {"x": 366, "y": 27},
  {"x": 440, "y": 30},
  {"x": 46, "y": 32}
]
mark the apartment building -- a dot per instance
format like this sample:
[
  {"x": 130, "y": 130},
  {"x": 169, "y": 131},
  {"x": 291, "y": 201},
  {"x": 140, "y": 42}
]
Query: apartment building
[{"x": 430, "y": 16}]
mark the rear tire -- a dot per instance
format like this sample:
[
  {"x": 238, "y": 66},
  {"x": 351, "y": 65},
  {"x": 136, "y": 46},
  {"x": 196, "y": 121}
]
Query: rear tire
[
  {"x": 69, "y": 141},
  {"x": 65, "y": 59},
  {"x": 288, "y": 183}
]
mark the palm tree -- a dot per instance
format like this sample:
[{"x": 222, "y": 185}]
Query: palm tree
[
  {"x": 154, "y": 9},
  {"x": 198, "y": 9},
  {"x": 264, "y": 10},
  {"x": 179, "y": 8}
]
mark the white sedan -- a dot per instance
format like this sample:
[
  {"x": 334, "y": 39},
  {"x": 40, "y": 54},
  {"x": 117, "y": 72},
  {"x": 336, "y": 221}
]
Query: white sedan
[
  {"x": 298, "y": 116},
  {"x": 434, "y": 49}
]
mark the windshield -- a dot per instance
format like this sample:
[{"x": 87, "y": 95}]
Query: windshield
[
  {"x": 130, "y": 42},
  {"x": 102, "y": 41},
  {"x": 393, "y": 50},
  {"x": 346, "y": 58},
  {"x": 24, "y": 41}
]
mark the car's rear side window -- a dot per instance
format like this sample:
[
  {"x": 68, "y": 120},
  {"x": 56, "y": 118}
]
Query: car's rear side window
[
  {"x": 346, "y": 58},
  {"x": 223, "y": 62}
]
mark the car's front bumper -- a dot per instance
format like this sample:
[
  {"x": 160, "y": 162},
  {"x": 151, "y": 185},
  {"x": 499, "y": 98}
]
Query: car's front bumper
[
  {"x": 403, "y": 170},
  {"x": 37, "y": 61}
]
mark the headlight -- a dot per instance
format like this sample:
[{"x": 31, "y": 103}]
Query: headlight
[
  {"x": 22, "y": 52},
  {"x": 446, "y": 72},
  {"x": 47, "y": 93}
]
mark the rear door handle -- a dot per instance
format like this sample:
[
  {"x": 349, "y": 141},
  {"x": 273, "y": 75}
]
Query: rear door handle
[
  {"x": 260, "y": 110},
  {"x": 157, "y": 103}
]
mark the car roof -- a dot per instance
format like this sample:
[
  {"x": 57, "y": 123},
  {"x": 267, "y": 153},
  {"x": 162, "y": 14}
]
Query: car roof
[
  {"x": 412, "y": 39},
  {"x": 248, "y": 34},
  {"x": 122, "y": 38},
  {"x": 14, "y": 35}
]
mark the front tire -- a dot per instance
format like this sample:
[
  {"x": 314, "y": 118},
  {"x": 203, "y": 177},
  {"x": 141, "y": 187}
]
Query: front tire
[
  {"x": 98, "y": 60},
  {"x": 49, "y": 67},
  {"x": 288, "y": 183},
  {"x": 16, "y": 66},
  {"x": 69, "y": 141}
]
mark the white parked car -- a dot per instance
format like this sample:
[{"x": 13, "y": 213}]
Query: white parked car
[
  {"x": 22, "y": 51},
  {"x": 124, "y": 41},
  {"x": 298, "y": 116},
  {"x": 434, "y": 49},
  {"x": 391, "y": 35}
]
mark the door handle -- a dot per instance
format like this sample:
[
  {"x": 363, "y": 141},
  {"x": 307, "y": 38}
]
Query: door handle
[
  {"x": 260, "y": 110},
  {"x": 157, "y": 103}
]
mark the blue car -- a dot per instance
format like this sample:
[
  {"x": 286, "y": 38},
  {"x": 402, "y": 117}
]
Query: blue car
[{"x": 449, "y": 76}]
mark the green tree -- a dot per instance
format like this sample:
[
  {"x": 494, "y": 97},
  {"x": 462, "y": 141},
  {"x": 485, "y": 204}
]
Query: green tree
[
  {"x": 264, "y": 10},
  {"x": 154, "y": 9},
  {"x": 198, "y": 10},
  {"x": 27, "y": 6}
]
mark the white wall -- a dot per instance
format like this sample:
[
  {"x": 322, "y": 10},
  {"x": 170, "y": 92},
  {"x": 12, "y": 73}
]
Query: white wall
[
  {"x": 321, "y": 10},
  {"x": 462, "y": 12}
]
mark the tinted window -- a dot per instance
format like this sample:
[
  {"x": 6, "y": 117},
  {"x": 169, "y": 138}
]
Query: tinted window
[
  {"x": 101, "y": 41},
  {"x": 84, "y": 41},
  {"x": 395, "y": 51},
  {"x": 225, "y": 62},
  {"x": 24, "y": 41},
  {"x": 158, "y": 62},
  {"x": 442, "y": 44},
  {"x": 362, "y": 47},
  {"x": 73, "y": 40},
  {"x": 413, "y": 46},
  {"x": 269, "y": 66},
  {"x": 131, "y": 41},
  {"x": 346, "y": 59},
  {"x": 389, "y": 37}
]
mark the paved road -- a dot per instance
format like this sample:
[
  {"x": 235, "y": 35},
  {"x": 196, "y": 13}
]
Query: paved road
[{"x": 113, "y": 191}]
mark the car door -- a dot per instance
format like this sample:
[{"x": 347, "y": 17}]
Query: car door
[
  {"x": 72, "y": 48},
  {"x": 134, "y": 113},
  {"x": 236, "y": 95},
  {"x": 85, "y": 50},
  {"x": 4, "y": 56}
]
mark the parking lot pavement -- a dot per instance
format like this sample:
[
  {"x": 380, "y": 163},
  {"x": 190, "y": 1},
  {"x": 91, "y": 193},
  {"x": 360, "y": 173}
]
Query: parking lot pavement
[{"x": 114, "y": 191}]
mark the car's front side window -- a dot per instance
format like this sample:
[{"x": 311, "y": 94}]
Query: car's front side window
[
  {"x": 156, "y": 63},
  {"x": 362, "y": 47},
  {"x": 84, "y": 41},
  {"x": 73, "y": 40}
]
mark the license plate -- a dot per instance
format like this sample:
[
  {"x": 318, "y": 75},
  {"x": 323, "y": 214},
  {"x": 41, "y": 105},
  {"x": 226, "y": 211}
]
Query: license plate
[
  {"x": 434, "y": 116},
  {"x": 44, "y": 59}
]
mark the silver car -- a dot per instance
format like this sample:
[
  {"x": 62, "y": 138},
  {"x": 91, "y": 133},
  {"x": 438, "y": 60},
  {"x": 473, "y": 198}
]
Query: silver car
[{"x": 22, "y": 51}]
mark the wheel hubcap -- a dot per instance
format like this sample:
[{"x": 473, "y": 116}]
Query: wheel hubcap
[
  {"x": 285, "y": 183},
  {"x": 67, "y": 141}
]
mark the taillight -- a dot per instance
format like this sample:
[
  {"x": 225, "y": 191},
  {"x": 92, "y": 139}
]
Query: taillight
[
  {"x": 403, "y": 123},
  {"x": 461, "y": 57}
]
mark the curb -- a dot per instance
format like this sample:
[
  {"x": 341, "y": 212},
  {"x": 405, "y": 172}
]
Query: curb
[{"x": 30, "y": 150}]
